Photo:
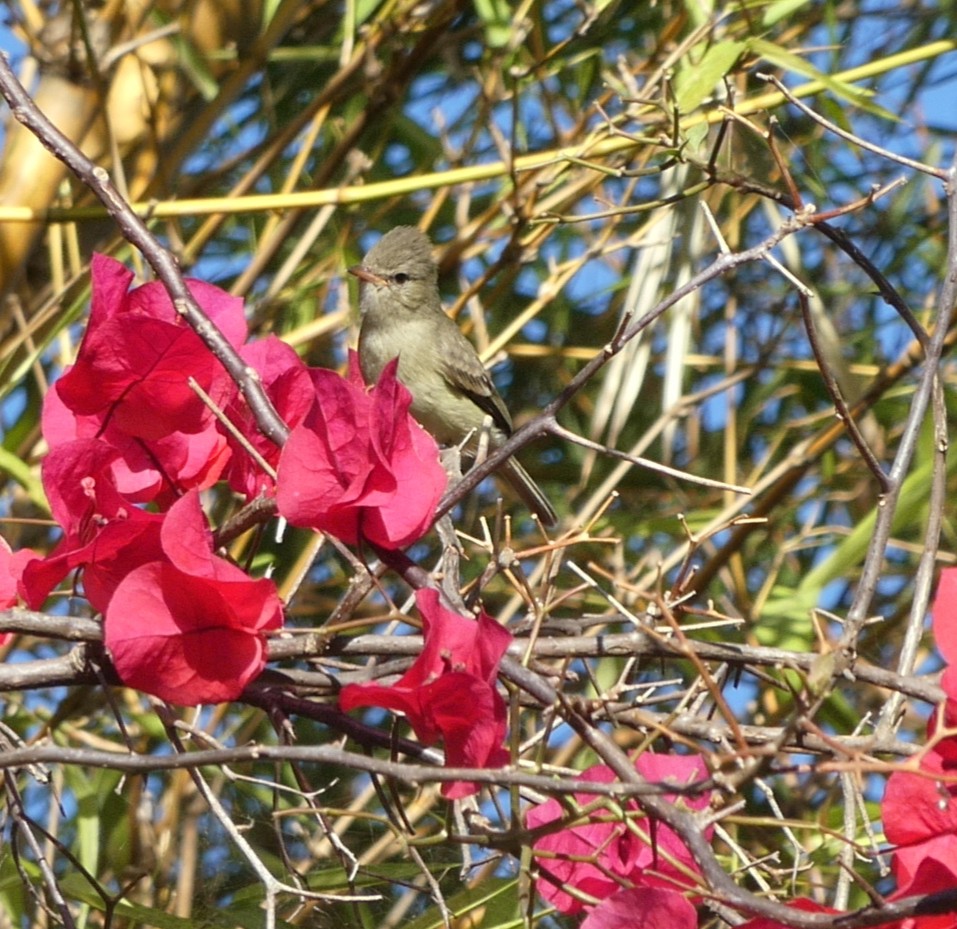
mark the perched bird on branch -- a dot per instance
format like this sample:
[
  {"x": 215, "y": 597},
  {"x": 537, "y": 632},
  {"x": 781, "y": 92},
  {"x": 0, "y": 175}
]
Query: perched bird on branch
[{"x": 452, "y": 393}]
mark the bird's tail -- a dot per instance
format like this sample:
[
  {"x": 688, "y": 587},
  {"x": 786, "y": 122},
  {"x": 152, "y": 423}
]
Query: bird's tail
[{"x": 530, "y": 492}]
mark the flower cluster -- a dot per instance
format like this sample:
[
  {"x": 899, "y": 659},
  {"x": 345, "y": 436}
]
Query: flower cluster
[
  {"x": 919, "y": 808},
  {"x": 130, "y": 390},
  {"x": 133, "y": 439},
  {"x": 625, "y": 869},
  {"x": 358, "y": 466},
  {"x": 619, "y": 864},
  {"x": 920, "y": 805},
  {"x": 449, "y": 691}
]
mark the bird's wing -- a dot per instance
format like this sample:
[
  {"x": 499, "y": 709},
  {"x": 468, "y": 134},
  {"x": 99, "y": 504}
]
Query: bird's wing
[{"x": 465, "y": 373}]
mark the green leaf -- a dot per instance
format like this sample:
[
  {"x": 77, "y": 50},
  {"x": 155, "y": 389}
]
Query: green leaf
[
  {"x": 364, "y": 10},
  {"x": 698, "y": 80},
  {"x": 785, "y": 619},
  {"x": 497, "y": 19},
  {"x": 21, "y": 472},
  {"x": 699, "y": 11},
  {"x": 88, "y": 832},
  {"x": 781, "y": 10},
  {"x": 795, "y": 64}
]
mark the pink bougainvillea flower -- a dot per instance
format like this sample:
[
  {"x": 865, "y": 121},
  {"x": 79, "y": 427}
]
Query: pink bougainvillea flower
[
  {"x": 143, "y": 471},
  {"x": 449, "y": 691},
  {"x": 130, "y": 385},
  {"x": 926, "y": 868},
  {"x": 945, "y": 715},
  {"x": 138, "y": 353},
  {"x": 12, "y": 564},
  {"x": 920, "y": 817},
  {"x": 647, "y": 907},
  {"x": 360, "y": 465},
  {"x": 918, "y": 806},
  {"x": 11, "y": 569},
  {"x": 597, "y": 858},
  {"x": 945, "y": 615},
  {"x": 945, "y": 635},
  {"x": 191, "y": 628},
  {"x": 104, "y": 534},
  {"x": 288, "y": 385}
]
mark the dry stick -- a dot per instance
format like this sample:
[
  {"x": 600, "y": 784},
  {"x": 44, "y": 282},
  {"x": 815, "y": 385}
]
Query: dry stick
[
  {"x": 940, "y": 173},
  {"x": 404, "y": 772},
  {"x": 78, "y": 666},
  {"x": 22, "y": 826},
  {"x": 65, "y": 628},
  {"x": 162, "y": 261},
  {"x": 887, "y": 291},
  {"x": 891, "y": 715},
  {"x": 874, "y": 560},
  {"x": 677, "y": 473},
  {"x": 411, "y": 774},
  {"x": 85, "y": 664}
]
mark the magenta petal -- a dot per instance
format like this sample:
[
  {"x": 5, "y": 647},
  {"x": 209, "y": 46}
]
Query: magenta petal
[
  {"x": 449, "y": 692},
  {"x": 945, "y": 615},
  {"x": 647, "y": 907},
  {"x": 180, "y": 637},
  {"x": 359, "y": 465}
]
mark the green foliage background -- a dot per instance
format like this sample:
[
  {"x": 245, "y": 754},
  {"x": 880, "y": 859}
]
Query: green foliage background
[{"x": 560, "y": 154}]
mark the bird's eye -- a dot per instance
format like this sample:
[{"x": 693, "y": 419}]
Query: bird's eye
[{"x": 400, "y": 278}]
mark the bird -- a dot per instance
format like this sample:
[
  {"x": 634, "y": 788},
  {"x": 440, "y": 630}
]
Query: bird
[{"x": 452, "y": 393}]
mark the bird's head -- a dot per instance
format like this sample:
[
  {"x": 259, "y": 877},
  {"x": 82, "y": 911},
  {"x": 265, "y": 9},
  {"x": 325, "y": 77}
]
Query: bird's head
[{"x": 398, "y": 273}]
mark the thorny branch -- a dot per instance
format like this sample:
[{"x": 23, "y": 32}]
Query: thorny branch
[{"x": 541, "y": 670}]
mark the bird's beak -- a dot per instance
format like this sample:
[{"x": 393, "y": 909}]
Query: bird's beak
[{"x": 364, "y": 274}]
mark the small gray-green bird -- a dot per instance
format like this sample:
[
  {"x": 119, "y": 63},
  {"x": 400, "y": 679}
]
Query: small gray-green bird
[{"x": 451, "y": 391}]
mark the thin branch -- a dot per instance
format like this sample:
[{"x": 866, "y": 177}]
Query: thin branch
[
  {"x": 85, "y": 663},
  {"x": 134, "y": 229},
  {"x": 24, "y": 828},
  {"x": 855, "y": 140},
  {"x": 947, "y": 303},
  {"x": 573, "y": 437}
]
